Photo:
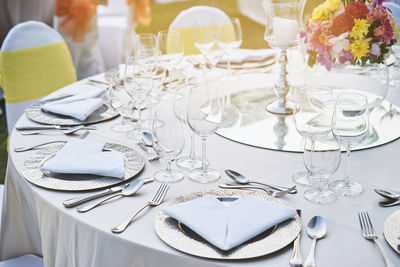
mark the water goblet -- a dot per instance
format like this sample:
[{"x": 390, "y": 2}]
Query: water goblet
[
  {"x": 169, "y": 141},
  {"x": 120, "y": 101},
  {"x": 204, "y": 116},
  {"x": 350, "y": 127},
  {"x": 321, "y": 159},
  {"x": 145, "y": 41}
]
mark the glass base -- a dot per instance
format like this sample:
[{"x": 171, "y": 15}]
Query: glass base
[
  {"x": 277, "y": 108},
  {"x": 135, "y": 135},
  {"x": 171, "y": 176},
  {"x": 302, "y": 178},
  {"x": 323, "y": 197},
  {"x": 204, "y": 177},
  {"x": 351, "y": 189},
  {"x": 121, "y": 128},
  {"x": 188, "y": 164}
]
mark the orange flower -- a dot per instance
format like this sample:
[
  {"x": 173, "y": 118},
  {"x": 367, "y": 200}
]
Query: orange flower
[
  {"x": 77, "y": 16},
  {"x": 142, "y": 11}
]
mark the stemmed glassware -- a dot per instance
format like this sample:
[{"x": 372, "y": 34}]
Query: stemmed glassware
[
  {"x": 229, "y": 38},
  {"x": 169, "y": 141},
  {"x": 120, "y": 101},
  {"x": 180, "y": 107},
  {"x": 281, "y": 32},
  {"x": 145, "y": 42},
  {"x": 350, "y": 127},
  {"x": 204, "y": 116},
  {"x": 171, "y": 50},
  {"x": 321, "y": 159}
]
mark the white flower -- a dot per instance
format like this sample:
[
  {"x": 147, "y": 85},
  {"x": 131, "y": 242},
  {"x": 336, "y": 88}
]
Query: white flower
[
  {"x": 375, "y": 50},
  {"x": 339, "y": 44}
]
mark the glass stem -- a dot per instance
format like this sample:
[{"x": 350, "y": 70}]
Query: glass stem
[
  {"x": 347, "y": 167},
  {"x": 229, "y": 62},
  {"x": 169, "y": 165},
  {"x": 204, "y": 152},
  {"x": 138, "y": 122},
  {"x": 192, "y": 155},
  {"x": 205, "y": 68}
]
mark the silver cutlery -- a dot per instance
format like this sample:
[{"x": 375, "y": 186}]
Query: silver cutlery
[
  {"x": 155, "y": 201},
  {"x": 69, "y": 203},
  {"x": 26, "y": 148},
  {"x": 268, "y": 191},
  {"x": 147, "y": 139},
  {"x": 67, "y": 131},
  {"x": 389, "y": 203},
  {"x": 368, "y": 232},
  {"x": 316, "y": 229},
  {"x": 151, "y": 156},
  {"x": 296, "y": 259},
  {"x": 241, "y": 179},
  {"x": 50, "y": 127},
  {"x": 388, "y": 194},
  {"x": 127, "y": 191}
]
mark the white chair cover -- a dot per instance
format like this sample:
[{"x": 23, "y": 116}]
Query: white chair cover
[
  {"x": 28, "y": 34},
  {"x": 187, "y": 18}
]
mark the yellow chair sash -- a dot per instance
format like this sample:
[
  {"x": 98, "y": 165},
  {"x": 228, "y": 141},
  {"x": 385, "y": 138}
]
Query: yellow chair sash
[{"x": 34, "y": 72}]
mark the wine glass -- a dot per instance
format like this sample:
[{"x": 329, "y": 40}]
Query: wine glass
[
  {"x": 120, "y": 101},
  {"x": 312, "y": 118},
  {"x": 281, "y": 32},
  {"x": 180, "y": 107},
  {"x": 350, "y": 127},
  {"x": 321, "y": 159},
  {"x": 229, "y": 38},
  {"x": 204, "y": 116},
  {"x": 170, "y": 48},
  {"x": 169, "y": 142},
  {"x": 146, "y": 41}
]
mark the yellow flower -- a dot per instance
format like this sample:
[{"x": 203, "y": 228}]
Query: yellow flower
[
  {"x": 326, "y": 10},
  {"x": 360, "y": 48},
  {"x": 360, "y": 29}
]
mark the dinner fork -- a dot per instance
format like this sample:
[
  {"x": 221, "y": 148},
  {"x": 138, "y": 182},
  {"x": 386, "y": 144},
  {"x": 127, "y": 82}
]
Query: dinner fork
[
  {"x": 155, "y": 201},
  {"x": 368, "y": 232}
]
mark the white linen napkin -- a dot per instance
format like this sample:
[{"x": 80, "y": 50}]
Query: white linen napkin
[
  {"x": 86, "y": 157},
  {"x": 241, "y": 55},
  {"x": 223, "y": 226},
  {"x": 79, "y": 106}
]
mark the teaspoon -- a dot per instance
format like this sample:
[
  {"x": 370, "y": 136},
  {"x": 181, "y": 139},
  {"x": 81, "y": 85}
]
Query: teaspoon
[
  {"x": 241, "y": 179},
  {"x": 388, "y": 194},
  {"x": 316, "y": 229},
  {"x": 389, "y": 203}
]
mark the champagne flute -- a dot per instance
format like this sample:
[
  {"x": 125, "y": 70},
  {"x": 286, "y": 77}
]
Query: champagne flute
[
  {"x": 180, "y": 107},
  {"x": 321, "y": 159},
  {"x": 204, "y": 116},
  {"x": 229, "y": 38},
  {"x": 171, "y": 50},
  {"x": 169, "y": 142},
  {"x": 350, "y": 128},
  {"x": 120, "y": 101}
]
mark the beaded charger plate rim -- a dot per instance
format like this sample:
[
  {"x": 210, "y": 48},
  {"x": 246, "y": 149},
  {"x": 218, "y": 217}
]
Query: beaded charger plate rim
[
  {"x": 170, "y": 231},
  {"x": 391, "y": 230},
  {"x": 133, "y": 165},
  {"x": 36, "y": 114}
]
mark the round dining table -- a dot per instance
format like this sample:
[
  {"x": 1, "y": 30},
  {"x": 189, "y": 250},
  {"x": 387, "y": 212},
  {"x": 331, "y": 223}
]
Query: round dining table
[{"x": 34, "y": 219}]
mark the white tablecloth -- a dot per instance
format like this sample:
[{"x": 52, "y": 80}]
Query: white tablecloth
[{"x": 35, "y": 221}]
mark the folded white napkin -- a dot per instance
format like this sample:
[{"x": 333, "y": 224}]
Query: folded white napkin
[
  {"x": 229, "y": 226},
  {"x": 79, "y": 106},
  {"x": 86, "y": 157},
  {"x": 241, "y": 55}
]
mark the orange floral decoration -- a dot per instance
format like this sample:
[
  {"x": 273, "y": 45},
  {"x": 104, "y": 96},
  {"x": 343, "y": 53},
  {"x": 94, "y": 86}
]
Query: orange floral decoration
[
  {"x": 77, "y": 17},
  {"x": 142, "y": 11}
]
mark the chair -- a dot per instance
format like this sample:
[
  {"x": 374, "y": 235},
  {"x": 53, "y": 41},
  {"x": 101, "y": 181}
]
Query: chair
[
  {"x": 185, "y": 22},
  {"x": 34, "y": 61}
]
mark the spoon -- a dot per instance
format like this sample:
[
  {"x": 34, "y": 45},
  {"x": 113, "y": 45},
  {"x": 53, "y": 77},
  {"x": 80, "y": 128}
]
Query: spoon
[
  {"x": 131, "y": 189},
  {"x": 316, "y": 229},
  {"x": 66, "y": 131},
  {"x": 241, "y": 179},
  {"x": 269, "y": 192},
  {"x": 389, "y": 203},
  {"x": 388, "y": 194},
  {"x": 150, "y": 139}
]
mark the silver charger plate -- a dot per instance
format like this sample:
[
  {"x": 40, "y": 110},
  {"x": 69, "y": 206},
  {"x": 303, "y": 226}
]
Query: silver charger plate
[
  {"x": 133, "y": 163},
  {"x": 391, "y": 230},
  {"x": 168, "y": 230},
  {"x": 35, "y": 113}
]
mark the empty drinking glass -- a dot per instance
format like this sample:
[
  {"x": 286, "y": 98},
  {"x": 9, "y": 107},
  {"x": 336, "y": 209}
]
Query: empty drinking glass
[
  {"x": 350, "y": 128},
  {"x": 169, "y": 141},
  {"x": 120, "y": 101}
]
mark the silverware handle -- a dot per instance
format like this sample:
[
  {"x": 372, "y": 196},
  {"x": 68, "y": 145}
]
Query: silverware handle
[
  {"x": 69, "y": 203},
  {"x": 310, "y": 261},
  {"x": 39, "y": 132},
  {"x": 279, "y": 188},
  {"x": 22, "y": 149},
  {"x": 269, "y": 192},
  {"x": 26, "y": 128},
  {"x": 92, "y": 206},
  {"x": 387, "y": 261},
  {"x": 120, "y": 228},
  {"x": 295, "y": 259}
]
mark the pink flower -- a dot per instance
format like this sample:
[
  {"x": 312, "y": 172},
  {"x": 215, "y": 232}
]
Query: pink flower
[
  {"x": 388, "y": 35},
  {"x": 315, "y": 41},
  {"x": 379, "y": 31},
  {"x": 346, "y": 56},
  {"x": 325, "y": 60},
  {"x": 378, "y": 14}
]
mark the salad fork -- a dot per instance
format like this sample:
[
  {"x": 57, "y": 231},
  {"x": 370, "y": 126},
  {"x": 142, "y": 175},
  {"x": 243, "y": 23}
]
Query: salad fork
[
  {"x": 155, "y": 201},
  {"x": 368, "y": 232}
]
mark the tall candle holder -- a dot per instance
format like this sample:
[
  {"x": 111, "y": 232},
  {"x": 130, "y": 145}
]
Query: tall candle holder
[{"x": 281, "y": 32}]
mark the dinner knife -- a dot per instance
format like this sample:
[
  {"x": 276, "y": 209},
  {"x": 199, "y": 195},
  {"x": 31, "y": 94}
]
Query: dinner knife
[
  {"x": 50, "y": 127},
  {"x": 69, "y": 203},
  {"x": 295, "y": 259}
]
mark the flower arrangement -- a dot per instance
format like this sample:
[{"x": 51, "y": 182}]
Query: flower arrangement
[{"x": 355, "y": 31}]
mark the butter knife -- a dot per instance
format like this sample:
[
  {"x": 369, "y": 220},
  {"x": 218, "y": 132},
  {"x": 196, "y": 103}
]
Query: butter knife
[
  {"x": 295, "y": 259},
  {"x": 69, "y": 203}
]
